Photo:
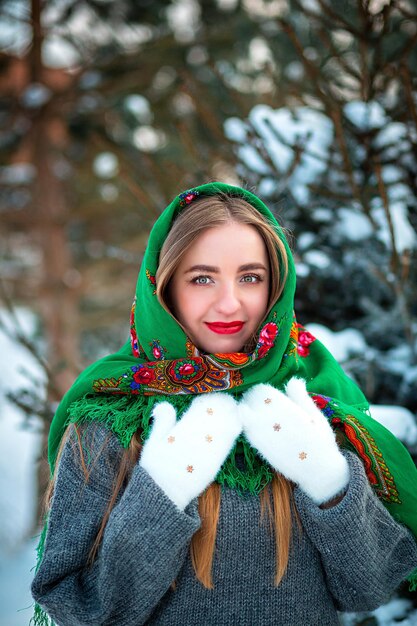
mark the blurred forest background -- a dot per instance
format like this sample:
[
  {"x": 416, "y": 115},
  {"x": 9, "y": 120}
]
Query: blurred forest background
[{"x": 109, "y": 109}]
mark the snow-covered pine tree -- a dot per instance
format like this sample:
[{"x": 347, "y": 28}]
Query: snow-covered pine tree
[{"x": 339, "y": 162}]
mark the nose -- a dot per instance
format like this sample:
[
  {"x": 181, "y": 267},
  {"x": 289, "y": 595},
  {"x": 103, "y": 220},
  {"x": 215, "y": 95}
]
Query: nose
[{"x": 227, "y": 301}]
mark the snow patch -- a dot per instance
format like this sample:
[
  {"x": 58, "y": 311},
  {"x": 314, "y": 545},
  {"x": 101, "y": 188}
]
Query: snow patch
[
  {"x": 283, "y": 132},
  {"x": 317, "y": 258},
  {"x": 106, "y": 165},
  {"x": 392, "y": 133},
  {"x": 399, "y": 420},
  {"x": 405, "y": 237},
  {"x": 19, "y": 448},
  {"x": 305, "y": 240},
  {"x": 235, "y": 129},
  {"x": 18, "y": 445},
  {"x": 365, "y": 115},
  {"x": 352, "y": 225},
  {"x": 342, "y": 344}
]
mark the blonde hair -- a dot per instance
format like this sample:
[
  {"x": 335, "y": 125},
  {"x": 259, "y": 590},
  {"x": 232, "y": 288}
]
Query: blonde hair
[{"x": 277, "y": 498}]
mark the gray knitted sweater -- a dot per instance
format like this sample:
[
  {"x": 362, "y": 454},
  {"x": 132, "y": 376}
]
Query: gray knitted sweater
[{"x": 346, "y": 558}]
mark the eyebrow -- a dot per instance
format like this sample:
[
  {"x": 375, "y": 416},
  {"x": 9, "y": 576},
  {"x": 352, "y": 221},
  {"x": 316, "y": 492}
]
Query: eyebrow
[{"x": 215, "y": 270}]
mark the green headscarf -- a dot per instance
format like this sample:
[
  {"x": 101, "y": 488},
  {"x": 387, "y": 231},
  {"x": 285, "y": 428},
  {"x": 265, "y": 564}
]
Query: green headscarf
[{"x": 160, "y": 361}]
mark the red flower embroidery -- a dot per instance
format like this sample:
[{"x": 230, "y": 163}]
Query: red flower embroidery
[
  {"x": 268, "y": 334},
  {"x": 188, "y": 196},
  {"x": 266, "y": 339},
  {"x": 151, "y": 279},
  {"x": 134, "y": 342},
  {"x": 305, "y": 338},
  {"x": 320, "y": 401},
  {"x": 144, "y": 375},
  {"x": 156, "y": 352},
  {"x": 186, "y": 369},
  {"x": 262, "y": 350},
  {"x": 133, "y": 335}
]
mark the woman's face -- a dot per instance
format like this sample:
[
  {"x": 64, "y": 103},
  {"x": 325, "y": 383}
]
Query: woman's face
[{"x": 220, "y": 289}]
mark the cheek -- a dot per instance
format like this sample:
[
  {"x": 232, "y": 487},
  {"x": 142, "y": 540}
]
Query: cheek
[
  {"x": 189, "y": 306},
  {"x": 260, "y": 305}
]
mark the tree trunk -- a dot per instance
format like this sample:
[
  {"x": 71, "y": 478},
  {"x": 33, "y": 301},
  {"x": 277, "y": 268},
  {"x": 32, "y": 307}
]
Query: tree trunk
[{"x": 58, "y": 295}]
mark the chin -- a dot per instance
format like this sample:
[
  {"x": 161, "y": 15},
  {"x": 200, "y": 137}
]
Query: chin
[
  {"x": 222, "y": 345},
  {"x": 224, "y": 349}
]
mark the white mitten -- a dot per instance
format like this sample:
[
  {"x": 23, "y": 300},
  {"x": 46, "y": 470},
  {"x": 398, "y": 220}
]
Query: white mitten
[
  {"x": 184, "y": 457},
  {"x": 292, "y": 434}
]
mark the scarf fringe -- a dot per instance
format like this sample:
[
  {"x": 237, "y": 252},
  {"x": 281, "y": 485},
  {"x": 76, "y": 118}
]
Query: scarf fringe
[
  {"x": 124, "y": 415},
  {"x": 412, "y": 581},
  {"x": 39, "y": 617}
]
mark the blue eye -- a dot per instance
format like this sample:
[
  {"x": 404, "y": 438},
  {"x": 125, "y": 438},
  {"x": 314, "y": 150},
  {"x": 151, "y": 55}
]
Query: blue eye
[
  {"x": 201, "y": 280},
  {"x": 251, "y": 278}
]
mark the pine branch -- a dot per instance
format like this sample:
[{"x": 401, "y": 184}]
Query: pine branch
[{"x": 385, "y": 203}]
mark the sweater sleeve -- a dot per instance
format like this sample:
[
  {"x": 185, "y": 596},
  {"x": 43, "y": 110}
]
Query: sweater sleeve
[
  {"x": 144, "y": 545},
  {"x": 366, "y": 554}
]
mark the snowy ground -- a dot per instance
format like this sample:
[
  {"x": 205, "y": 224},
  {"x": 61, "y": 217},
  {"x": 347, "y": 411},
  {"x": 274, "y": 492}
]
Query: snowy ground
[
  {"x": 16, "y": 603},
  {"x": 18, "y": 451}
]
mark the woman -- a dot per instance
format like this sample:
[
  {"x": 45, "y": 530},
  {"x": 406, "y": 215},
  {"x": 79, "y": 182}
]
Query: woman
[{"x": 199, "y": 480}]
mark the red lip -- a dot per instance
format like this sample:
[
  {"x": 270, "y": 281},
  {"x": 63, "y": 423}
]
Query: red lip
[{"x": 225, "y": 328}]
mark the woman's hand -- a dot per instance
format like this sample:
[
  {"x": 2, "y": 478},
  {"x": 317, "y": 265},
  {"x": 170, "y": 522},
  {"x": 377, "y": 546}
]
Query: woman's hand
[
  {"x": 291, "y": 433},
  {"x": 184, "y": 457}
]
